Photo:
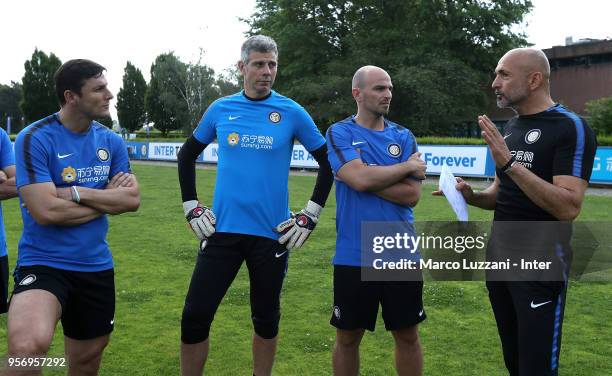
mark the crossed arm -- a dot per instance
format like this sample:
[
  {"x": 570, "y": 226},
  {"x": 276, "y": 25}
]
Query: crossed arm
[
  {"x": 49, "y": 205},
  {"x": 388, "y": 182},
  {"x": 8, "y": 189}
]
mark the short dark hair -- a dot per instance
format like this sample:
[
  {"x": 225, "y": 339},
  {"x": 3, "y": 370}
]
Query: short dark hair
[{"x": 72, "y": 75}]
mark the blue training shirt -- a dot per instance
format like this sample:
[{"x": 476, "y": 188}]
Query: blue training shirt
[
  {"x": 7, "y": 158},
  {"x": 346, "y": 141},
  {"x": 46, "y": 151},
  {"x": 255, "y": 144}
]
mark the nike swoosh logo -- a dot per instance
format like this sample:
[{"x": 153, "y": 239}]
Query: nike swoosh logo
[
  {"x": 279, "y": 254},
  {"x": 534, "y": 306},
  {"x": 112, "y": 322},
  {"x": 421, "y": 313},
  {"x": 62, "y": 156},
  {"x": 358, "y": 143},
  {"x": 233, "y": 117},
  {"x": 506, "y": 136}
]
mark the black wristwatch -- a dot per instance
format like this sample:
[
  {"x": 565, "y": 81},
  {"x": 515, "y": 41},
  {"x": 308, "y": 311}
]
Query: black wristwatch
[{"x": 509, "y": 164}]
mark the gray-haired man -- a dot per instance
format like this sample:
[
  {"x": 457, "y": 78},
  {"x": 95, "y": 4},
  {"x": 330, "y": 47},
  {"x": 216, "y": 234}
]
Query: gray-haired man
[{"x": 250, "y": 218}]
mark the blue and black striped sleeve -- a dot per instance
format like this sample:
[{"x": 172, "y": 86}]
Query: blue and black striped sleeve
[
  {"x": 120, "y": 161},
  {"x": 339, "y": 147},
  {"x": 575, "y": 150},
  {"x": 31, "y": 159}
]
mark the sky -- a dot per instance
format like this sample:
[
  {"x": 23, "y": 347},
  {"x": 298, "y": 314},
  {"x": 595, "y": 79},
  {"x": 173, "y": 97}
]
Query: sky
[{"x": 112, "y": 32}]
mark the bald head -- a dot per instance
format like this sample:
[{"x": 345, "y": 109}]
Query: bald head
[
  {"x": 364, "y": 74},
  {"x": 528, "y": 60},
  {"x": 522, "y": 81}
]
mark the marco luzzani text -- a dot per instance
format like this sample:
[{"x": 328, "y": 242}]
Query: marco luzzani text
[{"x": 403, "y": 242}]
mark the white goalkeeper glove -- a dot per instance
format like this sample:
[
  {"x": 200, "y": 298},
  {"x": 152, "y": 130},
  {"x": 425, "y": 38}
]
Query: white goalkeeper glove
[
  {"x": 296, "y": 229},
  {"x": 201, "y": 219}
]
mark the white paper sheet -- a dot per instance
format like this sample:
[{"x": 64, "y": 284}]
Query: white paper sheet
[{"x": 454, "y": 197}]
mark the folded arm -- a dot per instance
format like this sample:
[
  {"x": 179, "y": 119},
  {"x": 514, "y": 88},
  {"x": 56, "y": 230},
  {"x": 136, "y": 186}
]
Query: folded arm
[
  {"x": 364, "y": 178},
  {"x": 8, "y": 189},
  {"x": 405, "y": 192},
  {"x": 120, "y": 196},
  {"x": 47, "y": 208}
]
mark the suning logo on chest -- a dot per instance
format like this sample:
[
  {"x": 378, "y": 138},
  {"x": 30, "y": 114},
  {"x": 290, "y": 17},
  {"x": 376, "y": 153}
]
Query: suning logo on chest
[{"x": 251, "y": 141}]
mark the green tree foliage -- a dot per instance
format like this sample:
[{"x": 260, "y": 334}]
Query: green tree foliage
[
  {"x": 179, "y": 93},
  {"x": 600, "y": 115},
  {"x": 198, "y": 91},
  {"x": 164, "y": 100},
  {"x": 131, "y": 99},
  {"x": 107, "y": 122},
  {"x": 439, "y": 54},
  {"x": 228, "y": 83},
  {"x": 39, "y": 99},
  {"x": 10, "y": 96}
]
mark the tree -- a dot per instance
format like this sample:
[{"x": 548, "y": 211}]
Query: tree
[
  {"x": 228, "y": 83},
  {"x": 106, "y": 121},
  {"x": 131, "y": 99},
  {"x": 199, "y": 91},
  {"x": 39, "y": 98},
  {"x": 600, "y": 115},
  {"x": 179, "y": 93},
  {"x": 10, "y": 96},
  {"x": 439, "y": 53},
  {"x": 164, "y": 100}
]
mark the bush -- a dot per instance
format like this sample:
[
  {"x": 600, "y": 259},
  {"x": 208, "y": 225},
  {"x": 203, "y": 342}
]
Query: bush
[{"x": 600, "y": 115}]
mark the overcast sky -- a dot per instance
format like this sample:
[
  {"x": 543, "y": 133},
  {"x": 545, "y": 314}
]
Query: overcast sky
[{"x": 112, "y": 32}]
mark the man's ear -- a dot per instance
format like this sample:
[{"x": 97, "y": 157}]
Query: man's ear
[
  {"x": 536, "y": 80},
  {"x": 69, "y": 96},
  {"x": 356, "y": 93}
]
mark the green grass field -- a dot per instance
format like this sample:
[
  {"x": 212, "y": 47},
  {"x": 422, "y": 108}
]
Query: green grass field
[{"x": 154, "y": 256}]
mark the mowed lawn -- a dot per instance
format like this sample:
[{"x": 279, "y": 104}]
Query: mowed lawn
[{"x": 154, "y": 256}]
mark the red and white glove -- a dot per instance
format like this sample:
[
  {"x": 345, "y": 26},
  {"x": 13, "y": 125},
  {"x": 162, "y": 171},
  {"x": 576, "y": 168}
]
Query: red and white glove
[
  {"x": 201, "y": 219},
  {"x": 297, "y": 229}
]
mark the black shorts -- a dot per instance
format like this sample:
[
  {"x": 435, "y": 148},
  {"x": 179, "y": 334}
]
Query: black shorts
[
  {"x": 356, "y": 302},
  {"x": 215, "y": 270},
  {"x": 4, "y": 279},
  {"x": 529, "y": 318},
  {"x": 87, "y": 298}
]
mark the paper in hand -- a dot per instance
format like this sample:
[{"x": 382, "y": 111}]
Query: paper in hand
[{"x": 454, "y": 197}]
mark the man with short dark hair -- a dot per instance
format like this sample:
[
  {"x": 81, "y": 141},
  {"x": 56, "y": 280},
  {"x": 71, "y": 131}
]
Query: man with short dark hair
[
  {"x": 7, "y": 190},
  {"x": 250, "y": 219},
  {"x": 378, "y": 179},
  {"x": 544, "y": 161},
  {"x": 71, "y": 172}
]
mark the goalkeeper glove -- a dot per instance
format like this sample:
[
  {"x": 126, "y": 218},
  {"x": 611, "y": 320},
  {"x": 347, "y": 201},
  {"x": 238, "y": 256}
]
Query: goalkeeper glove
[
  {"x": 201, "y": 219},
  {"x": 296, "y": 229}
]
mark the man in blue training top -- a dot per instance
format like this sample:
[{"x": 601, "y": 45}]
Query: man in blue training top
[
  {"x": 71, "y": 172},
  {"x": 378, "y": 178},
  {"x": 255, "y": 129},
  {"x": 7, "y": 190}
]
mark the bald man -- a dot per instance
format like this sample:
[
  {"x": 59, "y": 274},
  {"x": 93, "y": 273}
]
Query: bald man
[
  {"x": 544, "y": 162},
  {"x": 378, "y": 175}
]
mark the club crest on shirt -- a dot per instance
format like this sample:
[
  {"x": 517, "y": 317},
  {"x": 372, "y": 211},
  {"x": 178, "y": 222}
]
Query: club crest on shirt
[
  {"x": 394, "y": 150},
  {"x": 233, "y": 139},
  {"x": 102, "y": 154},
  {"x": 532, "y": 136},
  {"x": 69, "y": 174},
  {"x": 274, "y": 117}
]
